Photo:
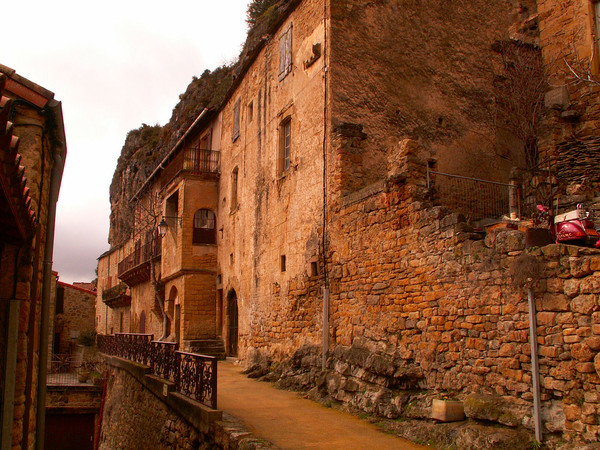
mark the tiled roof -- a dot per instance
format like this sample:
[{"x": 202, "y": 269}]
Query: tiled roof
[{"x": 17, "y": 218}]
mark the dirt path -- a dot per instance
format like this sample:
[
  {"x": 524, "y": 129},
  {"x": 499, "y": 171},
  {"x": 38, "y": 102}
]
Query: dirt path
[{"x": 291, "y": 422}]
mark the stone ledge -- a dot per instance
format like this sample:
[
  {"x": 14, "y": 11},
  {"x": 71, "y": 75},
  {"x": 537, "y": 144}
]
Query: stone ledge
[{"x": 225, "y": 430}]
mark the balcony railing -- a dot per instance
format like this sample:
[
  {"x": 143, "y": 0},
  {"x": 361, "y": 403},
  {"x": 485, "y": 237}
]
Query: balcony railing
[
  {"x": 192, "y": 160},
  {"x": 116, "y": 296},
  {"x": 135, "y": 268},
  {"x": 194, "y": 376}
]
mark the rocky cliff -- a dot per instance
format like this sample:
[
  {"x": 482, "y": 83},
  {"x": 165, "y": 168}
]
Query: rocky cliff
[{"x": 146, "y": 146}]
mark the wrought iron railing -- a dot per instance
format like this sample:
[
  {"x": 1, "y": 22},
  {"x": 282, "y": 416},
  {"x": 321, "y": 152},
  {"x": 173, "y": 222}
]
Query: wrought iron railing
[
  {"x": 194, "y": 376},
  {"x": 473, "y": 197},
  {"x": 141, "y": 255},
  {"x": 193, "y": 160},
  {"x": 62, "y": 370},
  {"x": 114, "y": 292}
]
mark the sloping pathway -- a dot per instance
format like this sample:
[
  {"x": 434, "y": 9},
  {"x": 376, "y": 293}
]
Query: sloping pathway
[{"x": 291, "y": 422}]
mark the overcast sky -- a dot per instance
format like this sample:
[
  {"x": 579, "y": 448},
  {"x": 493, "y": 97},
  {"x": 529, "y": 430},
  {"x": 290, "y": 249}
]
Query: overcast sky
[{"x": 114, "y": 65}]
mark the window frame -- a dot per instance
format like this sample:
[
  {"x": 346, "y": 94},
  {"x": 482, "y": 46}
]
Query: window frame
[
  {"x": 284, "y": 156},
  {"x": 204, "y": 234},
  {"x": 286, "y": 59},
  {"x": 234, "y": 188},
  {"x": 235, "y": 129}
]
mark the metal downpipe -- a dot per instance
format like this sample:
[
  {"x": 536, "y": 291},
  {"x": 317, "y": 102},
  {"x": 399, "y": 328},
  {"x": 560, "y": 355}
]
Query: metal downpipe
[
  {"x": 535, "y": 368},
  {"x": 59, "y": 153}
]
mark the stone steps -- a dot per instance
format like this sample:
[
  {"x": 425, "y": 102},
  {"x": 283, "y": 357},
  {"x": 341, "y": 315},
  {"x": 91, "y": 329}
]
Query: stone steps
[{"x": 210, "y": 347}]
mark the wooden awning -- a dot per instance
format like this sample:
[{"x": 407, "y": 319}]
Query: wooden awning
[{"x": 17, "y": 218}]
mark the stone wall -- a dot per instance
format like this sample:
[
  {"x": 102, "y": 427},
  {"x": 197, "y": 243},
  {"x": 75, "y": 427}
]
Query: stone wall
[
  {"x": 422, "y": 306},
  {"x": 572, "y": 114},
  {"x": 109, "y": 318},
  {"x": 77, "y": 316},
  {"x": 427, "y": 71},
  {"x": 271, "y": 236},
  {"x": 37, "y": 123},
  {"x": 141, "y": 412}
]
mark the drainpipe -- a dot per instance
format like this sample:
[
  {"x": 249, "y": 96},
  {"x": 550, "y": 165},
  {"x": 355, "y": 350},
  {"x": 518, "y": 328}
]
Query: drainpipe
[
  {"x": 535, "y": 368},
  {"x": 325, "y": 342},
  {"x": 59, "y": 151}
]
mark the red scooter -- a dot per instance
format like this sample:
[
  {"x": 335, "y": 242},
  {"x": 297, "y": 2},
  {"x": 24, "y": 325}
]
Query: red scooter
[{"x": 573, "y": 227}]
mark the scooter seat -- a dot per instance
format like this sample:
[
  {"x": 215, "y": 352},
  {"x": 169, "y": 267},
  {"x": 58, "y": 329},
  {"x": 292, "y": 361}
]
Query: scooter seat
[{"x": 576, "y": 214}]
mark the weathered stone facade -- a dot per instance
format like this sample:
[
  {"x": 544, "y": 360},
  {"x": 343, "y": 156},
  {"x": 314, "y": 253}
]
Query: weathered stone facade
[
  {"x": 569, "y": 41},
  {"x": 32, "y": 148},
  {"x": 73, "y": 310},
  {"x": 321, "y": 195}
]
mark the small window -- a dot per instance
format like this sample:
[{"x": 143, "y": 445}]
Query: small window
[
  {"x": 60, "y": 300},
  {"x": 285, "y": 53},
  {"x": 282, "y": 263},
  {"x": 234, "y": 189},
  {"x": 285, "y": 145},
  {"x": 314, "y": 269},
  {"x": 250, "y": 112},
  {"x": 236, "y": 121},
  {"x": 204, "y": 227}
]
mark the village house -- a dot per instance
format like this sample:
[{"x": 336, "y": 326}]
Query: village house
[
  {"x": 32, "y": 153},
  {"x": 304, "y": 224},
  {"x": 73, "y": 311}
]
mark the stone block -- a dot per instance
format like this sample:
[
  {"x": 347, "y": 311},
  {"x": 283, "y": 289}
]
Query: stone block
[{"x": 447, "y": 410}]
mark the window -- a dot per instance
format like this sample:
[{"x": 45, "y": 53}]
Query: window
[
  {"x": 285, "y": 53},
  {"x": 285, "y": 144},
  {"x": 204, "y": 227},
  {"x": 250, "y": 112},
  {"x": 234, "y": 189},
  {"x": 236, "y": 121},
  {"x": 282, "y": 263},
  {"x": 60, "y": 300}
]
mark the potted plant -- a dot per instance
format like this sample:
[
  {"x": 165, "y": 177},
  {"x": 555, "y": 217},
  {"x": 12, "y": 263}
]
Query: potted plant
[
  {"x": 97, "y": 378},
  {"x": 83, "y": 374}
]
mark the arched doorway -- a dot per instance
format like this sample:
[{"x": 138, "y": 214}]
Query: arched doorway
[{"x": 232, "y": 322}]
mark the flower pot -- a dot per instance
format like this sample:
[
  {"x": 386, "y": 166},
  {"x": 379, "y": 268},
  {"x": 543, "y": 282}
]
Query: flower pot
[{"x": 82, "y": 376}]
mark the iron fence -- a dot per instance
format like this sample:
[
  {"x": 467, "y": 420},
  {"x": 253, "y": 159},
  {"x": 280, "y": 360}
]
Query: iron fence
[
  {"x": 473, "y": 197},
  {"x": 194, "y": 375},
  {"x": 141, "y": 255},
  {"x": 63, "y": 370},
  {"x": 194, "y": 160}
]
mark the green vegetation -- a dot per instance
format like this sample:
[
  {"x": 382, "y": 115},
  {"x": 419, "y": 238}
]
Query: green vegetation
[{"x": 256, "y": 9}]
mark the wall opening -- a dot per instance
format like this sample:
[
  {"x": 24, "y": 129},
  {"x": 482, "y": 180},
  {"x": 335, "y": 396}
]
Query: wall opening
[{"x": 232, "y": 319}]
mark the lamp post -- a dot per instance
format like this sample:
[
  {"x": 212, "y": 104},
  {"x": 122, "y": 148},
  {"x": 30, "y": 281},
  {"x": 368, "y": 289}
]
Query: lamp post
[{"x": 163, "y": 225}]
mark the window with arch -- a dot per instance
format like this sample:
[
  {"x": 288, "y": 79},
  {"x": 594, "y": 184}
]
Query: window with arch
[{"x": 204, "y": 227}]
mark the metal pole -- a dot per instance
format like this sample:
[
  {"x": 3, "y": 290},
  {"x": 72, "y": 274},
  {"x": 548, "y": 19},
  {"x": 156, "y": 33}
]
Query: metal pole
[
  {"x": 325, "y": 327},
  {"x": 535, "y": 369}
]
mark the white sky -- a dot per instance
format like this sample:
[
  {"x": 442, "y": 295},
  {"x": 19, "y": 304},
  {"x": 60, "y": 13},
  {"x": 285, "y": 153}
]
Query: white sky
[{"x": 114, "y": 65}]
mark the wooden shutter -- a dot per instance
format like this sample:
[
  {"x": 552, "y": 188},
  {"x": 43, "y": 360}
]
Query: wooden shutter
[{"x": 236, "y": 121}]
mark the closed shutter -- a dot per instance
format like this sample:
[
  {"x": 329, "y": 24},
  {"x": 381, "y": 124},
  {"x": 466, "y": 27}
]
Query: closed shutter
[
  {"x": 285, "y": 53},
  {"x": 236, "y": 121}
]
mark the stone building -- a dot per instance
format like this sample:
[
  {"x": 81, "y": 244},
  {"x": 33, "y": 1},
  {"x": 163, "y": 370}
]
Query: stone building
[
  {"x": 32, "y": 153},
  {"x": 73, "y": 311},
  {"x": 300, "y": 231}
]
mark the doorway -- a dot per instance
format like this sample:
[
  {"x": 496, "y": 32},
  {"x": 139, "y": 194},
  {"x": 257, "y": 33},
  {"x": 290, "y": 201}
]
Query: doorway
[{"x": 232, "y": 316}]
